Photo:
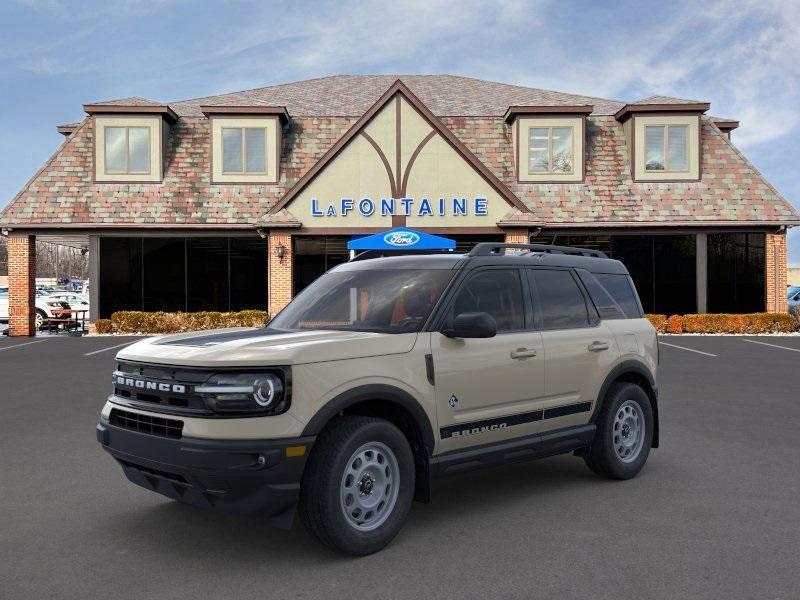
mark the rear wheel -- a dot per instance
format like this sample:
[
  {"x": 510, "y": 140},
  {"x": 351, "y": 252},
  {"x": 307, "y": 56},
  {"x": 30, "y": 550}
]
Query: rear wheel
[
  {"x": 358, "y": 486},
  {"x": 624, "y": 433}
]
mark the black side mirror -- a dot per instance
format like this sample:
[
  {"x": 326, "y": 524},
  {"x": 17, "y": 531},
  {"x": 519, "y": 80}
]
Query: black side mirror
[{"x": 472, "y": 325}]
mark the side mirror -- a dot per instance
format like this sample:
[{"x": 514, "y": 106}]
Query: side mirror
[{"x": 472, "y": 325}]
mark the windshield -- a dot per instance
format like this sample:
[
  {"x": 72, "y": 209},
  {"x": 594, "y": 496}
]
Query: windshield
[{"x": 384, "y": 301}]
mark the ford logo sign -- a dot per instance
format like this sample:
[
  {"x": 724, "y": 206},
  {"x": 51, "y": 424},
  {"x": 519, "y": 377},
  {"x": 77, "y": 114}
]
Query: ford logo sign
[{"x": 401, "y": 238}]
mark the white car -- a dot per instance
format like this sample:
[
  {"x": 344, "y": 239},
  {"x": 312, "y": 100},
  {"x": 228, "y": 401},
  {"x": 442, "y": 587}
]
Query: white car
[
  {"x": 46, "y": 307},
  {"x": 74, "y": 299}
]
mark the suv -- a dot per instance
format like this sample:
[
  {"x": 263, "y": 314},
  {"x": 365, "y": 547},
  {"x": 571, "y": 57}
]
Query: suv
[{"x": 385, "y": 373}]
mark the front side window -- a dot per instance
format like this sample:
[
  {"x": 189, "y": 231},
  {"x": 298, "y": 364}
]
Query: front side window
[
  {"x": 550, "y": 150},
  {"x": 497, "y": 292},
  {"x": 385, "y": 301},
  {"x": 244, "y": 150},
  {"x": 127, "y": 150},
  {"x": 561, "y": 302},
  {"x": 666, "y": 147}
]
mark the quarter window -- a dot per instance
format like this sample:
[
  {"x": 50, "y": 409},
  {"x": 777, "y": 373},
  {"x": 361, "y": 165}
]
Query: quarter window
[
  {"x": 497, "y": 292},
  {"x": 244, "y": 150},
  {"x": 550, "y": 150},
  {"x": 127, "y": 150},
  {"x": 666, "y": 147},
  {"x": 561, "y": 302}
]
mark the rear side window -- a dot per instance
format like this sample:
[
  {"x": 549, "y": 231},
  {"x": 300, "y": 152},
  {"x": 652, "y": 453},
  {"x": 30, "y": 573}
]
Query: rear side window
[
  {"x": 497, "y": 292},
  {"x": 605, "y": 304},
  {"x": 560, "y": 300},
  {"x": 621, "y": 289}
]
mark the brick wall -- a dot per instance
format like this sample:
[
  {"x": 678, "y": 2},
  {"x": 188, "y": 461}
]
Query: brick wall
[
  {"x": 280, "y": 271},
  {"x": 517, "y": 236},
  {"x": 21, "y": 284},
  {"x": 776, "y": 273}
]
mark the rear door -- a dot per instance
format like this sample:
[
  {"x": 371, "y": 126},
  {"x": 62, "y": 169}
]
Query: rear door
[
  {"x": 579, "y": 348},
  {"x": 487, "y": 389}
]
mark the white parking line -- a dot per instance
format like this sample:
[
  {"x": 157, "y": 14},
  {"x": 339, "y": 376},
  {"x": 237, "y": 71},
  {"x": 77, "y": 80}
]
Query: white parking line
[
  {"x": 110, "y": 348},
  {"x": 20, "y": 345},
  {"x": 771, "y": 345},
  {"x": 687, "y": 349}
]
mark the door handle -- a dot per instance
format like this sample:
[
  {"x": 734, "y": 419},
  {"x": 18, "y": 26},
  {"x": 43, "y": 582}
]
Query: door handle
[
  {"x": 522, "y": 353},
  {"x": 597, "y": 346}
]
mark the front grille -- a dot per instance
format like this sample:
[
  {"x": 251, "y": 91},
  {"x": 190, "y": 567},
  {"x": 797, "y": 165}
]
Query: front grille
[
  {"x": 169, "y": 428},
  {"x": 161, "y": 399}
]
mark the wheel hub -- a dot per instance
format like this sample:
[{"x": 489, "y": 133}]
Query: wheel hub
[
  {"x": 369, "y": 486},
  {"x": 366, "y": 485},
  {"x": 629, "y": 431}
]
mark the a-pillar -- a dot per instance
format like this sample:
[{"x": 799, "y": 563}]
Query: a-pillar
[
  {"x": 776, "y": 273},
  {"x": 21, "y": 284},
  {"x": 279, "y": 250}
]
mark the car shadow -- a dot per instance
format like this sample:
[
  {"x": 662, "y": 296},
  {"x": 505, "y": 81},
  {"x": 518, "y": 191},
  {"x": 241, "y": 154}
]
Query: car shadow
[{"x": 175, "y": 527}]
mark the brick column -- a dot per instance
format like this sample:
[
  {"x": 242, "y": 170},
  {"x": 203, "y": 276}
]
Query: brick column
[
  {"x": 775, "y": 273},
  {"x": 280, "y": 271},
  {"x": 517, "y": 236},
  {"x": 21, "y": 284}
]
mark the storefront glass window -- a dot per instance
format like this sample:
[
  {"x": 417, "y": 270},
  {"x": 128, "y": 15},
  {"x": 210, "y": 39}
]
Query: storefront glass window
[{"x": 736, "y": 272}]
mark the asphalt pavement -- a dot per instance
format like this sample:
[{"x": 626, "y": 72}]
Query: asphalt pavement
[{"x": 714, "y": 514}]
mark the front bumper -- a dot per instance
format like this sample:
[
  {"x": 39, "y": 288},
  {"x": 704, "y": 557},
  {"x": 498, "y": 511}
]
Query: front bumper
[{"x": 245, "y": 477}]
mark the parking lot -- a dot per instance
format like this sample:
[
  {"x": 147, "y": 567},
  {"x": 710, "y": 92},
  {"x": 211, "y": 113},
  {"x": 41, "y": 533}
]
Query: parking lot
[{"x": 714, "y": 514}]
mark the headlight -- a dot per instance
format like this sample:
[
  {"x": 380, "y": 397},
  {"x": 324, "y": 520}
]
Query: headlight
[{"x": 245, "y": 393}]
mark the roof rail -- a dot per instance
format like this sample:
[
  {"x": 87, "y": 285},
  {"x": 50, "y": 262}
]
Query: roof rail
[{"x": 499, "y": 248}]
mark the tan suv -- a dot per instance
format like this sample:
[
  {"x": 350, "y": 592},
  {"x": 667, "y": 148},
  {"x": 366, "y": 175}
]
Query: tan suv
[{"x": 385, "y": 373}]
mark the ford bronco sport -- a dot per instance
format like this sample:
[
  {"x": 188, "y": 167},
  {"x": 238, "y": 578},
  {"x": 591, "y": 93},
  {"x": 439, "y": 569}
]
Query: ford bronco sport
[{"x": 385, "y": 373}]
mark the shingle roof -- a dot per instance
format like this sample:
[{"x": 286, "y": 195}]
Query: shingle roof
[
  {"x": 130, "y": 101},
  {"x": 352, "y": 95},
  {"x": 63, "y": 193},
  {"x": 665, "y": 100}
]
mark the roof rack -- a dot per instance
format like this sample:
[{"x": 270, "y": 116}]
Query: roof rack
[{"x": 492, "y": 248}]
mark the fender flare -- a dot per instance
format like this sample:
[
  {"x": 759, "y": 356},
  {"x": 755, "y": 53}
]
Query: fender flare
[
  {"x": 374, "y": 391},
  {"x": 640, "y": 369}
]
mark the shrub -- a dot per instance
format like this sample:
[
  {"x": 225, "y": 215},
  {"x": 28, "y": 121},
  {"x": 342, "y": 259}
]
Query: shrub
[
  {"x": 747, "y": 323},
  {"x": 131, "y": 321},
  {"x": 674, "y": 324},
  {"x": 103, "y": 326},
  {"x": 659, "y": 322}
]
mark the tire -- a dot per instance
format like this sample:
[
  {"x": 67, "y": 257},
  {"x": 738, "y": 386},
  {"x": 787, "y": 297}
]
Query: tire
[
  {"x": 39, "y": 318},
  {"x": 620, "y": 447},
  {"x": 349, "y": 463}
]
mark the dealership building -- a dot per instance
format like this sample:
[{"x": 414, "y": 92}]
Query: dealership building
[{"x": 240, "y": 200}]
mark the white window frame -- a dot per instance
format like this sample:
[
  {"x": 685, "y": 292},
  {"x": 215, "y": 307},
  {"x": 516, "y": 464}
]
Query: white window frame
[
  {"x": 127, "y": 129},
  {"x": 244, "y": 171},
  {"x": 550, "y": 170},
  {"x": 665, "y": 148}
]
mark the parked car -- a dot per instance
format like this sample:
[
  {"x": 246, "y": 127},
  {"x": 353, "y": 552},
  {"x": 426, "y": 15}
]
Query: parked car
[
  {"x": 3, "y": 304},
  {"x": 385, "y": 373},
  {"x": 793, "y": 296},
  {"x": 47, "y": 307}
]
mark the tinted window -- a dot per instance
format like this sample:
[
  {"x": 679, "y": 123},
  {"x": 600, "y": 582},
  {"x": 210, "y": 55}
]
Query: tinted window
[
  {"x": 497, "y": 292},
  {"x": 621, "y": 290},
  {"x": 561, "y": 303},
  {"x": 605, "y": 304}
]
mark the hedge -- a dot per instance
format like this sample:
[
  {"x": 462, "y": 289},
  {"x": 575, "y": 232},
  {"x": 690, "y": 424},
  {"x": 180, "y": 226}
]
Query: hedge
[
  {"x": 132, "y": 321},
  {"x": 726, "y": 323}
]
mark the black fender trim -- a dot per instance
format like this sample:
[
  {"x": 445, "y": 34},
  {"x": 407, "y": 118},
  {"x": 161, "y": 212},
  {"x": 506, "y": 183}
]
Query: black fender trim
[
  {"x": 373, "y": 391},
  {"x": 640, "y": 369}
]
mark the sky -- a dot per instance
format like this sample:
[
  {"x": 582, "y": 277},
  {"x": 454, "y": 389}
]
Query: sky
[{"x": 739, "y": 55}]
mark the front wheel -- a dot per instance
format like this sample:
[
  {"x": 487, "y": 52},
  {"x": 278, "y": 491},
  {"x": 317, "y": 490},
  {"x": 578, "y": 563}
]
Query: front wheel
[
  {"x": 624, "y": 433},
  {"x": 39, "y": 318},
  {"x": 358, "y": 486}
]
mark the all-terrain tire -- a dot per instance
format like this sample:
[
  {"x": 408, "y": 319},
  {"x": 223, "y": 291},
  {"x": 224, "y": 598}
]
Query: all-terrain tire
[
  {"x": 614, "y": 453},
  {"x": 334, "y": 463}
]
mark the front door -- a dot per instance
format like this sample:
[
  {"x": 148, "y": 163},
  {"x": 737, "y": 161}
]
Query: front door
[{"x": 487, "y": 389}]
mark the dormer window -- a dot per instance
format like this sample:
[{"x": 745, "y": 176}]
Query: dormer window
[
  {"x": 666, "y": 148},
  {"x": 548, "y": 142},
  {"x": 127, "y": 150},
  {"x": 550, "y": 150},
  {"x": 244, "y": 150},
  {"x": 245, "y": 143}
]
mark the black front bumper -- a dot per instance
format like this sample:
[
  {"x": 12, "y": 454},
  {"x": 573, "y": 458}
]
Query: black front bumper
[{"x": 245, "y": 477}]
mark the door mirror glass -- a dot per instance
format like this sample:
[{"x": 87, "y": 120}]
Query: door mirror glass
[{"x": 472, "y": 325}]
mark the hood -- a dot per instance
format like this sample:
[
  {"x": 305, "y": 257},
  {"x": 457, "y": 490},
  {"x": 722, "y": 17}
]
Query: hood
[{"x": 264, "y": 347}]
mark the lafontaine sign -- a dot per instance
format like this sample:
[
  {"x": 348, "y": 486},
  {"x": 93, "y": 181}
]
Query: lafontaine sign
[{"x": 422, "y": 207}]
